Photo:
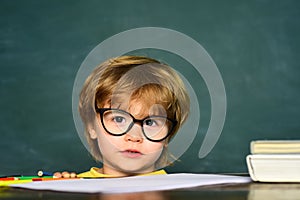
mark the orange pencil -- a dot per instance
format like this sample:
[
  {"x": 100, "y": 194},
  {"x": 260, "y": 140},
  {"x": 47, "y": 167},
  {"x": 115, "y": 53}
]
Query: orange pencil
[
  {"x": 8, "y": 179},
  {"x": 52, "y": 179}
]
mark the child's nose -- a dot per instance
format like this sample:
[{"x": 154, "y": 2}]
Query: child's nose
[{"x": 135, "y": 134}]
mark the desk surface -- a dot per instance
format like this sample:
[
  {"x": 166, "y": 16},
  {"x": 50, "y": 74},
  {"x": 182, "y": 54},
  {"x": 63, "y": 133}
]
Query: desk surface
[{"x": 249, "y": 191}]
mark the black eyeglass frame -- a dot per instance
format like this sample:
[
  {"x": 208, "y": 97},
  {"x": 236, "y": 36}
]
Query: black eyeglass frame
[{"x": 140, "y": 121}]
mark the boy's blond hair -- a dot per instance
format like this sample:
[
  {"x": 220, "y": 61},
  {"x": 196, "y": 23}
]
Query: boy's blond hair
[{"x": 128, "y": 78}]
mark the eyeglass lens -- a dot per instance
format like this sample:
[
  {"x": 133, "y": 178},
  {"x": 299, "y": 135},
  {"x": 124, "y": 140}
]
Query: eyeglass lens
[{"x": 119, "y": 122}]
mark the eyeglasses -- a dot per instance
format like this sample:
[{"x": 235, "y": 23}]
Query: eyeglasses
[{"x": 119, "y": 122}]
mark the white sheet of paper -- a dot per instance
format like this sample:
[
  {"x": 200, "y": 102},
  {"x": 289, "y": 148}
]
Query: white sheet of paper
[{"x": 133, "y": 184}]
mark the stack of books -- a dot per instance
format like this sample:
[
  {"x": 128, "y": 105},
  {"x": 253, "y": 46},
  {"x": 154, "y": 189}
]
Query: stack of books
[{"x": 274, "y": 161}]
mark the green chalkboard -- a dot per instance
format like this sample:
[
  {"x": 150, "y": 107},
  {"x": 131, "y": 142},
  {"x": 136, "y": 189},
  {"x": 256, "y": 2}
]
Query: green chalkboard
[{"x": 254, "y": 44}]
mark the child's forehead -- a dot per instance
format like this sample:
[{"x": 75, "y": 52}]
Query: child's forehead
[{"x": 139, "y": 107}]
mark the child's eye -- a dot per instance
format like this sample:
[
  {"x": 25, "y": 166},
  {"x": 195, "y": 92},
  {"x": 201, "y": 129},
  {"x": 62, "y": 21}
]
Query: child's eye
[
  {"x": 119, "y": 119},
  {"x": 155, "y": 122},
  {"x": 150, "y": 122}
]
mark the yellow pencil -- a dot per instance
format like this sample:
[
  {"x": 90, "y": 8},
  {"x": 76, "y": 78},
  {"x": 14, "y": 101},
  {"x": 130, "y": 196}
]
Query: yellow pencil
[{"x": 7, "y": 183}]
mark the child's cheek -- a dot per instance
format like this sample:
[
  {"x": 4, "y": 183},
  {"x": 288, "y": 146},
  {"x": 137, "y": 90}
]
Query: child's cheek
[{"x": 152, "y": 147}]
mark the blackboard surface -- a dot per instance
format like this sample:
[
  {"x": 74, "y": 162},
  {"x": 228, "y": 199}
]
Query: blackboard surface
[{"x": 255, "y": 45}]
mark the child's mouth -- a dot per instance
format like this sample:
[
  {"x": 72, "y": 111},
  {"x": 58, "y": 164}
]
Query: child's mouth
[{"x": 131, "y": 153}]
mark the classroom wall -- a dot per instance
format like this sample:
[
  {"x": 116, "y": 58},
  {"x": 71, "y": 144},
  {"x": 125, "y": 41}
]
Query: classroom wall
[{"x": 255, "y": 45}]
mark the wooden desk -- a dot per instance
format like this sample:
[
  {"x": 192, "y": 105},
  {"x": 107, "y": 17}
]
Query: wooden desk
[{"x": 249, "y": 191}]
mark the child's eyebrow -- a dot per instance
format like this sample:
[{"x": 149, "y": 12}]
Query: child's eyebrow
[{"x": 118, "y": 106}]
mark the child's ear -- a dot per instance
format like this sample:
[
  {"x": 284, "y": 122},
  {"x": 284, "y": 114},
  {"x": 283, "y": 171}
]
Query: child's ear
[
  {"x": 92, "y": 132},
  {"x": 166, "y": 144}
]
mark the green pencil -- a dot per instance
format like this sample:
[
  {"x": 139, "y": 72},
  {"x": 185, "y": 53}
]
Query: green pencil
[{"x": 31, "y": 177}]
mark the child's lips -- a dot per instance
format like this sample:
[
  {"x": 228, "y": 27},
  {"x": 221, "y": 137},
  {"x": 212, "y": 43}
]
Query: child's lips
[{"x": 131, "y": 153}]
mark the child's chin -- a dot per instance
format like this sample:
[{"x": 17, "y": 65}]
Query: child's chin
[{"x": 136, "y": 170}]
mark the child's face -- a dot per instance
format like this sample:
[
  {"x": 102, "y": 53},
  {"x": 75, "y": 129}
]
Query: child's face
[{"x": 131, "y": 152}]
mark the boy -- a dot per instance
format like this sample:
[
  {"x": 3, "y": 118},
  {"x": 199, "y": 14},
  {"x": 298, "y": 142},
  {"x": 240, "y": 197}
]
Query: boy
[{"x": 131, "y": 107}]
